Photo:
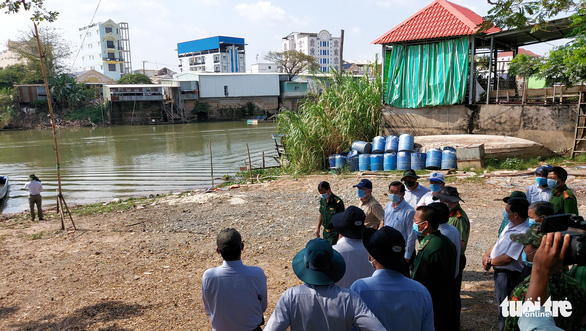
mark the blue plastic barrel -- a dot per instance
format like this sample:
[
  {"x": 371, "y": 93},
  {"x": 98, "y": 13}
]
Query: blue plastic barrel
[
  {"x": 403, "y": 160},
  {"x": 332, "y": 160},
  {"x": 392, "y": 144},
  {"x": 449, "y": 160},
  {"x": 340, "y": 160},
  {"x": 390, "y": 162},
  {"x": 362, "y": 147},
  {"x": 417, "y": 161},
  {"x": 364, "y": 162},
  {"x": 405, "y": 142},
  {"x": 352, "y": 160},
  {"x": 433, "y": 160},
  {"x": 376, "y": 162},
  {"x": 378, "y": 145}
]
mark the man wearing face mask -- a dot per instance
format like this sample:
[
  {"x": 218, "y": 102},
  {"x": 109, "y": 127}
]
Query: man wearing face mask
[
  {"x": 436, "y": 183},
  {"x": 540, "y": 191},
  {"x": 435, "y": 264},
  {"x": 329, "y": 205},
  {"x": 505, "y": 255},
  {"x": 414, "y": 191},
  {"x": 563, "y": 199},
  {"x": 399, "y": 215},
  {"x": 561, "y": 286},
  {"x": 375, "y": 214}
]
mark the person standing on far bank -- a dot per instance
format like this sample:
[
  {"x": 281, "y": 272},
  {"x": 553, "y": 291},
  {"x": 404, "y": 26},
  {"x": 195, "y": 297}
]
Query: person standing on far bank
[
  {"x": 329, "y": 205},
  {"x": 34, "y": 188}
]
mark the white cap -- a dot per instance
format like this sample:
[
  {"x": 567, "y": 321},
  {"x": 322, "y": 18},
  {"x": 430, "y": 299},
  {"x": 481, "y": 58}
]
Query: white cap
[{"x": 437, "y": 177}]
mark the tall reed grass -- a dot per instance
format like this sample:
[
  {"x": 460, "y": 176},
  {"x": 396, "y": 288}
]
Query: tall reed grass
[{"x": 344, "y": 109}]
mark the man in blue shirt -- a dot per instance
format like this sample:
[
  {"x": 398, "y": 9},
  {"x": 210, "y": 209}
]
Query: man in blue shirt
[
  {"x": 234, "y": 295},
  {"x": 399, "y": 215},
  {"x": 398, "y": 302}
]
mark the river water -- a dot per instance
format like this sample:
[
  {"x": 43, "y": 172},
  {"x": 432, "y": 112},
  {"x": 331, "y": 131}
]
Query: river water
[{"x": 101, "y": 164}]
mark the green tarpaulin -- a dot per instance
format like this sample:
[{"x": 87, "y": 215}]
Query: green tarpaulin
[{"x": 428, "y": 75}]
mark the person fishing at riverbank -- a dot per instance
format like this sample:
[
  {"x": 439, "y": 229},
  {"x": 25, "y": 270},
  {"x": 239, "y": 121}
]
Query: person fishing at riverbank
[
  {"x": 34, "y": 188},
  {"x": 329, "y": 205}
]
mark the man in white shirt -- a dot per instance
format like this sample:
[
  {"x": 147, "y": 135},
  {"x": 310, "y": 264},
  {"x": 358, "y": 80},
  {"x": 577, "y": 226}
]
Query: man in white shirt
[
  {"x": 415, "y": 191},
  {"x": 540, "y": 191},
  {"x": 319, "y": 304},
  {"x": 436, "y": 184},
  {"x": 350, "y": 225},
  {"x": 399, "y": 215},
  {"x": 234, "y": 295},
  {"x": 34, "y": 188},
  {"x": 505, "y": 255}
]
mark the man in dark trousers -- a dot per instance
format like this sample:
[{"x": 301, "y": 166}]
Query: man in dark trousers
[
  {"x": 329, "y": 205},
  {"x": 435, "y": 264}
]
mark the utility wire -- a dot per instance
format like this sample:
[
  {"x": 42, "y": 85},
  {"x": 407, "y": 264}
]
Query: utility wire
[{"x": 84, "y": 35}]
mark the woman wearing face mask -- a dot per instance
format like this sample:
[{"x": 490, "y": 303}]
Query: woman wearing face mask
[
  {"x": 540, "y": 191},
  {"x": 329, "y": 205},
  {"x": 563, "y": 199}
]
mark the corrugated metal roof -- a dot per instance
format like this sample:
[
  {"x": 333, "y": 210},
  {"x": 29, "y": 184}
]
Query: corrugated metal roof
[{"x": 439, "y": 19}]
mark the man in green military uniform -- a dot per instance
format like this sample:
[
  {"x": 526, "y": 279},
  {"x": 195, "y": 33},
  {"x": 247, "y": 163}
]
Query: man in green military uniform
[
  {"x": 561, "y": 286},
  {"x": 329, "y": 205},
  {"x": 563, "y": 199},
  {"x": 435, "y": 264}
]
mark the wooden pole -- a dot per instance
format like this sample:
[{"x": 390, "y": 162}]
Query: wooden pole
[
  {"x": 263, "y": 159},
  {"x": 249, "y": 163},
  {"x": 211, "y": 162},
  {"x": 52, "y": 116}
]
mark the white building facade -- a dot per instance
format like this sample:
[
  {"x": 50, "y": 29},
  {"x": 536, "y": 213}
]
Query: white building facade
[
  {"x": 219, "y": 54},
  {"x": 257, "y": 68},
  {"x": 106, "y": 48},
  {"x": 323, "y": 46}
]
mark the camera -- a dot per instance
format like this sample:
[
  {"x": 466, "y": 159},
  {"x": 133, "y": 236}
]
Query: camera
[{"x": 573, "y": 225}]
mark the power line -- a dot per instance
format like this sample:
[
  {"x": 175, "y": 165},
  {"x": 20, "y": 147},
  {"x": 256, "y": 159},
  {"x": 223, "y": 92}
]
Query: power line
[{"x": 85, "y": 35}]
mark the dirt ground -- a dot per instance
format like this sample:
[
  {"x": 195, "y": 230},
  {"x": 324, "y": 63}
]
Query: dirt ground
[{"x": 141, "y": 269}]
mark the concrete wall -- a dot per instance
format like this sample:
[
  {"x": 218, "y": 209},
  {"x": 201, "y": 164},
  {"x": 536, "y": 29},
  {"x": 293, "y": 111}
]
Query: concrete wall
[
  {"x": 550, "y": 125},
  {"x": 141, "y": 112}
]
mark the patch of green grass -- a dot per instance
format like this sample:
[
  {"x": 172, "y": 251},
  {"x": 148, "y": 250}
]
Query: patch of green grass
[
  {"x": 38, "y": 235},
  {"x": 103, "y": 208},
  {"x": 243, "y": 177},
  {"x": 475, "y": 179},
  {"x": 511, "y": 164}
]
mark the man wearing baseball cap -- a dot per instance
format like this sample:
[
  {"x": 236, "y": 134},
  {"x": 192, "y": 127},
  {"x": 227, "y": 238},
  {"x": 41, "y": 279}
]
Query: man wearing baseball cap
[
  {"x": 319, "y": 304},
  {"x": 375, "y": 213},
  {"x": 398, "y": 302},
  {"x": 436, "y": 183},
  {"x": 540, "y": 191},
  {"x": 414, "y": 191}
]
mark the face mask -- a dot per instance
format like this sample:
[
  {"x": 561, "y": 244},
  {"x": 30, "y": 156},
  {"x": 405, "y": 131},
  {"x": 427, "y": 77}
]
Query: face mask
[
  {"x": 552, "y": 183},
  {"x": 324, "y": 196},
  {"x": 524, "y": 257},
  {"x": 416, "y": 230},
  {"x": 541, "y": 181},
  {"x": 360, "y": 193},
  {"x": 394, "y": 198},
  {"x": 531, "y": 221},
  {"x": 435, "y": 187},
  {"x": 409, "y": 183}
]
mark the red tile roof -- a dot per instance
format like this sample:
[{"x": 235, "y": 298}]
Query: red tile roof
[
  {"x": 439, "y": 19},
  {"x": 521, "y": 51}
]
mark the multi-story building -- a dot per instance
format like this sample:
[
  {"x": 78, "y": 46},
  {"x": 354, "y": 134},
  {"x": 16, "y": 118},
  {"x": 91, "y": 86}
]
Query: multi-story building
[
  {"x": 214, "y": 54},
  {"x": 106, "y": 48},
  {"x": 325, "y": 48},
  {"x": 8, "y": 57}
]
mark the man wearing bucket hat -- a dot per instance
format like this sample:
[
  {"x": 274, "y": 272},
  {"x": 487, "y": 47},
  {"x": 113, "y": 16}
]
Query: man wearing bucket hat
[
  {"x": 436, "y": 184},
  {"x": 350, "y": 224},
  {"x": 375, "y": 213},
  {"x": 319, "y": 304},
  {"x": 540, "y": 191},
  {"x": 398, "y": 302},
  {"x": 561, "y": 285},
  {"x": 414, "y": 191}
]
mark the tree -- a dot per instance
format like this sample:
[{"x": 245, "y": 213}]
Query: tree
[
  {"x": 565, "y": 64},
  {"x": 135, "y": 79},
  {"x": 13, "y": 74},
  {"x": 293, "y": 62},
  {"x": 525, "y": 66}
]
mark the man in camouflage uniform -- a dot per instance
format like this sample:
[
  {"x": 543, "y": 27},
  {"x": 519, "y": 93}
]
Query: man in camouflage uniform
[
  {"x": 329, "y": 204},
  {"x": 561, "y": 286}
]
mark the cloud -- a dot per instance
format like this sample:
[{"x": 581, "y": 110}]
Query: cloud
[
  {"x": 356, "y": 30},
  {"x": 264, "y": 13}
]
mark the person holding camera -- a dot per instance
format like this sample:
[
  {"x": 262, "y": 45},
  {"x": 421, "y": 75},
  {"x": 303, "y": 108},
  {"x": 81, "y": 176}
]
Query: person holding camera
[
  {"x": 561, "y": 285},
  {"x": 563, "y": 199}
]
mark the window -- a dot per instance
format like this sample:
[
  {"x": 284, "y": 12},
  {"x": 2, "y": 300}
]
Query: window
[
  {"x": 110, "y": 43},
  {"x": 225, "y": 90},
  {"x": 112, "y": 67},
  {"x": 335, "y": 52},
  {"x": 216, "y": 68},
  {"x": 269, "y": 67},
  {"x": 108, "y": 30},
  {"x": 335, "y": 43},
  {"x": 296, "y": 88},
  {"x": 312, "y": 51},
  {"x": 111, "y": 56},
  {"x": 336, "y": 60},
  {"x": 121, "y": 68}
]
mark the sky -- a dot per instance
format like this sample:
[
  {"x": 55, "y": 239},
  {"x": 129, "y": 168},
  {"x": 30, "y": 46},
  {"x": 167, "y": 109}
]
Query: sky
[{"x": 157, "y": 26}]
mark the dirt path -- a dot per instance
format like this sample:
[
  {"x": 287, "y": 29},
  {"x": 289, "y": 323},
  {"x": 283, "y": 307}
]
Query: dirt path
[{"x": 141, "y": 269}]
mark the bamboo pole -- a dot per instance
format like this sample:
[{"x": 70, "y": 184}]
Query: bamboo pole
[
  {"x": 249, "y": 163},
  {"x": 211, "y": 162},
  {"x": 263, "y": 159}
]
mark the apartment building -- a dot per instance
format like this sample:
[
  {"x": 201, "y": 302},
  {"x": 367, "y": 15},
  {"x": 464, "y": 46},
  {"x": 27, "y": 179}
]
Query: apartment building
[
  {"x": 323, "y": 46},
  {"x": 215, "y": 54}
]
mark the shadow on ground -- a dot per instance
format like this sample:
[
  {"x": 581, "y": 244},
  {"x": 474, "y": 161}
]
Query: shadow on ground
[{"x": 86, "y": 317}]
